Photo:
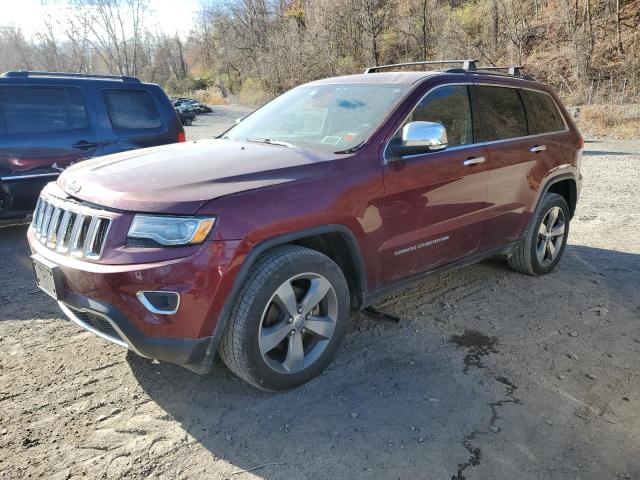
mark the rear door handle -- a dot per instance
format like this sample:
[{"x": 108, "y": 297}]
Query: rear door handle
[
  {"x": 474, "y": 161},
  {"x": 538, "y": 148},
  {"x": 84, "y": 145}
]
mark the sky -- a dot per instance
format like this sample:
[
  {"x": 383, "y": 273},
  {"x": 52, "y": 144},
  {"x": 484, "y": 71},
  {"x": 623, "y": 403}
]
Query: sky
[{"x": 170, "y": 16}]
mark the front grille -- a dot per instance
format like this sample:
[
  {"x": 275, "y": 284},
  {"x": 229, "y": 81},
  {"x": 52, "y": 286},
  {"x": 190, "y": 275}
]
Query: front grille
[
  {"x": 97, "y": 322},
  {"x": 69, "y": 228}
]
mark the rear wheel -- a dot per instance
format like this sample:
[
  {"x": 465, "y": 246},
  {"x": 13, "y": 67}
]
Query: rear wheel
[
  {"x": 543, "y": 243},
  {"x": 289, "y": 319}
]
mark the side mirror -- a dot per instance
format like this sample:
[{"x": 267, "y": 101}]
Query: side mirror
[{"x": 421, "y": 137}]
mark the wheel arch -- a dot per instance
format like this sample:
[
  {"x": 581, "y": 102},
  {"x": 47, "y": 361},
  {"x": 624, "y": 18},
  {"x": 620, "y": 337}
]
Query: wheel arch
[
  {"x": 564, "y": 183},
  {"x": 328, "y": 239},
  {"x": 565, "y": 186},
  {"x": 331, "y": 240},
  {"x": 342, "y": 248}
]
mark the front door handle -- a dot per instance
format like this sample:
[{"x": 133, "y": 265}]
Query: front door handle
[
  {"x": 474, "y": 161},
  {"x": 84, "y": 145},
  {"x": 538, "y": 148}
]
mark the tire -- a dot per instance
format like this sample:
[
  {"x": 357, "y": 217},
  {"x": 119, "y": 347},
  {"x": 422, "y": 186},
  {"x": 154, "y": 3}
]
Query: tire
[
  {"x": 526, "y": 258},
  {"x": 188, "y": 121},
  {"x": 281, "y": 282}
]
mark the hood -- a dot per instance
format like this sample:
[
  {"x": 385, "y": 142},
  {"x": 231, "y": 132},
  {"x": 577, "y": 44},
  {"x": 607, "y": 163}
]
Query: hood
[{"x": 180, "y": 178}]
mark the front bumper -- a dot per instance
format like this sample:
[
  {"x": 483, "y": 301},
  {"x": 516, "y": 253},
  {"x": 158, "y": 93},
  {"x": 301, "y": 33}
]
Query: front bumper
[
  {"x": 105, "y": 321},
  {"x": 103, "y": 299}
]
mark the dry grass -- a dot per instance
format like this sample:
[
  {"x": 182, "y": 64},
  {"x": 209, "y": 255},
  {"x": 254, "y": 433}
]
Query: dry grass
[
  {"x": 251, "y": 94},
  {"x": 210, "y": 96},
  {"x": 614, "y": 121}
]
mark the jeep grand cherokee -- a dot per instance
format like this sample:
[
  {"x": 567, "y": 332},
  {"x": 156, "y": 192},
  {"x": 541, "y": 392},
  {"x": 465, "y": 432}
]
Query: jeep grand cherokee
[{"x": 259, "y": 244}]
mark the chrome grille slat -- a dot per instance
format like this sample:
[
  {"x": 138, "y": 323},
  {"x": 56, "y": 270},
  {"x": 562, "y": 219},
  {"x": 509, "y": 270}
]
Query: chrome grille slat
[
  {"x": 53, "y": 228},
  {"x": 62, "y": 231},
  {"x": 43, "y": 214},
  {"x": 40, "y": 219},
  {"x": 90, "y": 238},
  {"x": 95, "y": 241},
  {"x": 48, "y": 213},
  {"x": 74, "y": 242},
  {"x": 39, "y": 213},
  {"x": 36, "y": 212},
  {"x": 70, "y": 228}
]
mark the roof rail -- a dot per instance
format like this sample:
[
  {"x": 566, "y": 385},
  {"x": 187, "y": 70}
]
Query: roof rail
[
  {"x": 28, "y": 73},
  {"x": 514, "y": 70},
  {"x": 468, "y": 64}
]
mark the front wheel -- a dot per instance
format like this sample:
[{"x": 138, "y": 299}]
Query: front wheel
[
  {"x": 544, "y": 241},
  {"x": 289, "y": 319}
]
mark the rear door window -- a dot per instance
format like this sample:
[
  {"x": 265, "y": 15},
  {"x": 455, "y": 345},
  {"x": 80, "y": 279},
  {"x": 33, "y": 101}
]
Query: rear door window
[
  {"x": 42, "y": 109},
  {"x": 132, "y": 109},
  {"x": 501, "y": 114},
  {"x": 542, "y": 113}
]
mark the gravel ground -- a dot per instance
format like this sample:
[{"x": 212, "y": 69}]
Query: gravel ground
[{"x": 488, "y": 375}]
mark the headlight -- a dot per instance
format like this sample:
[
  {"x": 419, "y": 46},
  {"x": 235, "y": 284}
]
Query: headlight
[{"x": 171, "y": 230}]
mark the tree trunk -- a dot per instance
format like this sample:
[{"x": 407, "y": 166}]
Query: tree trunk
[
  {"x": 590, "y": 23},
  {"x": 618, "y": 36},
  {"x": 425, "y": 32},
  {"x": 494, "y": 23}
]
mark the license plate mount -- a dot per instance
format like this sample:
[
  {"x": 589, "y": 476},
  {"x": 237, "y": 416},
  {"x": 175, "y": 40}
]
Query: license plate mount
[{"x": 47, "y": 277}]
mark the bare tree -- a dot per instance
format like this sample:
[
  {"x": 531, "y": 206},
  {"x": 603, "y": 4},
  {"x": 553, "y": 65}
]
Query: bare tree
[
  {"x": 267, "y": 46},
  {"x": 18, "y": 44},
  {"x": 116, "y": 31},
  {"x": 374, "y": 17}
]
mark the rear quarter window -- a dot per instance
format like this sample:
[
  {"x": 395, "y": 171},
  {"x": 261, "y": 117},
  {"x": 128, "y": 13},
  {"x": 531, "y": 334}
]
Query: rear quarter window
[
  {"x": 132, "y": 109},
  {"x": 30, "y": 109},
  {"x": 501, "y": 114},
  {"x": 542, "y": 113}
]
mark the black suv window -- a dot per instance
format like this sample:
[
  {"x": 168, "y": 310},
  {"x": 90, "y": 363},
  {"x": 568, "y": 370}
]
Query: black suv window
[
  {"x": 542, "y": 113},
  {"x": 131, "y": 109},
  {"x": 42, "y": 109},
  {"x": 449, "y": 106},
  {"x": 500, "y": 114}
]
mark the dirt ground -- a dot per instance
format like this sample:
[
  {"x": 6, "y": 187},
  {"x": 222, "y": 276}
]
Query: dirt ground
[{"x": 488, "y": 375}]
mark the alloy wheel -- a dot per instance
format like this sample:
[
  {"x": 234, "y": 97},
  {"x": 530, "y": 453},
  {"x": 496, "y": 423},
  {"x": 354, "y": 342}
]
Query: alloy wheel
[
  {"x": 550, "y": 236},
  {"x": 298, "y": 323}
]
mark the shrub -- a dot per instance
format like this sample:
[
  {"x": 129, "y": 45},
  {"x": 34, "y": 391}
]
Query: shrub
[
  {"x": 616, "y": 121},
  {"x": 187, "y": 84}
]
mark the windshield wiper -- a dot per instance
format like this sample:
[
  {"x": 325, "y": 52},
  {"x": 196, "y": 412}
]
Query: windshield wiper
[
  {"x": 270, "y": 141},
  {"x": 351, "y": 149}
]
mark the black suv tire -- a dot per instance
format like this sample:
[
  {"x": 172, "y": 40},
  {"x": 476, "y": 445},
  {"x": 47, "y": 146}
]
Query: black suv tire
[
  {"x": 526, "y": 257},
  {"x": 261, "y": 308}
]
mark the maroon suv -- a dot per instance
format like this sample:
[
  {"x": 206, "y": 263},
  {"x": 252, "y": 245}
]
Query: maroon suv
[{"x": 260, "y": 243}]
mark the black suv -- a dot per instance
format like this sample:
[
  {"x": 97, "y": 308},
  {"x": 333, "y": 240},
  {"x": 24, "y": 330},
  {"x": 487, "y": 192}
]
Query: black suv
[{"x": 49, "y": 121}]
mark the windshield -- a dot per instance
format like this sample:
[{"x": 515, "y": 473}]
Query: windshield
[{"x": 332, "y": 118}]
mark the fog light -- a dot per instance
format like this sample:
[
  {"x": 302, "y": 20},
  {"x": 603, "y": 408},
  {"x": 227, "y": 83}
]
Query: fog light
[{"x": 160, "y": 302}]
